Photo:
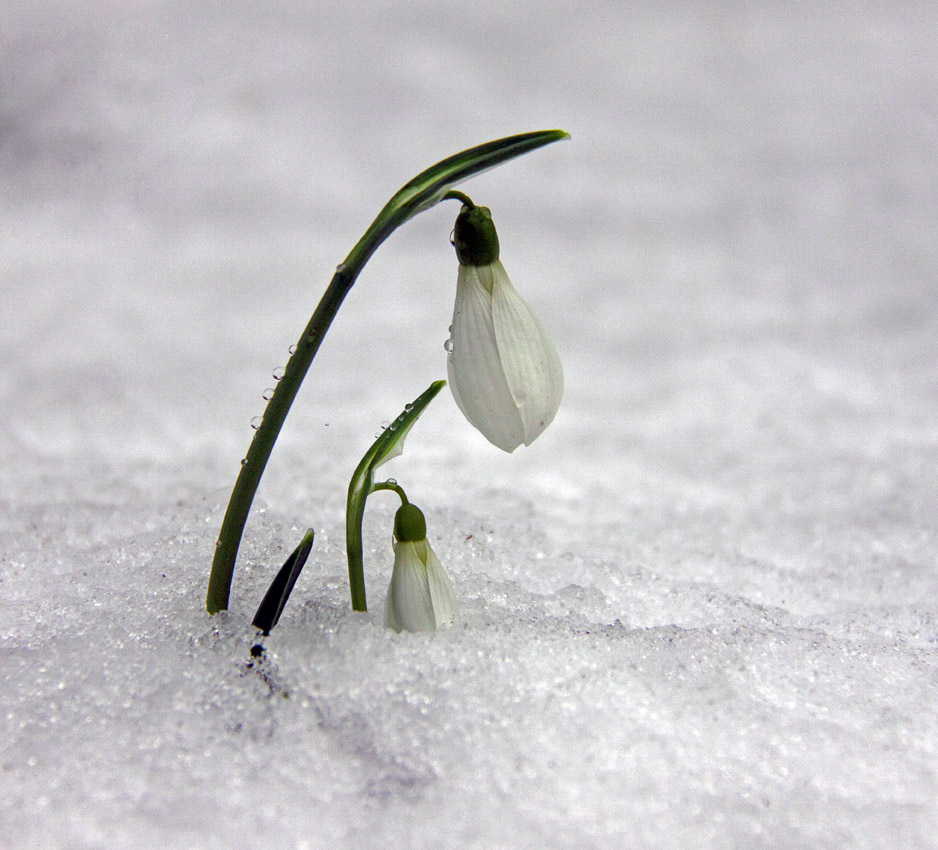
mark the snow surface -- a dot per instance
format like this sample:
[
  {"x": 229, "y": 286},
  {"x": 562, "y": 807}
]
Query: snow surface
[{"x": 700, "y": 611}]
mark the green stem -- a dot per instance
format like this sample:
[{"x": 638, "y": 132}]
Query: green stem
[
  {"x": 455, "y": 195},
  {"x": 388, "y": 485},
  {"x": 354, "y": 549},
  {"x": 255, "y": 461},
  {"x": 425, "y": 190}
]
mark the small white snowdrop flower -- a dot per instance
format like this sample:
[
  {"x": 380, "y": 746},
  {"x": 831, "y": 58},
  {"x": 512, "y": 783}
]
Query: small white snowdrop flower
[
  {"x": 504, "y": 370},
  {"x": 421, "y": 596}
]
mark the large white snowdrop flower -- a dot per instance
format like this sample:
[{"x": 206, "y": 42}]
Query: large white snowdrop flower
[
  {"x": 421, "y": 596},
  {"x": 504, "y": 370}
]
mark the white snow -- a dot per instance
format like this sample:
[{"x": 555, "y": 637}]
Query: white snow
[{"x": 700, "y": 611}]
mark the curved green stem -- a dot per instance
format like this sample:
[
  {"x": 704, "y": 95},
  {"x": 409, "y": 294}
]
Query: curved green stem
[
  {"x": 255, "y": 461},
  {"x": 456, "y": 195},
  {"x": 390, "y": 485},
  {"x": 421, "y": 193}
]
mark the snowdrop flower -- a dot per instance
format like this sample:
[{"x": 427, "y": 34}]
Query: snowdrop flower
[
  {"x": 421, "y": 596},
  {"x": 504, "y": 371}
]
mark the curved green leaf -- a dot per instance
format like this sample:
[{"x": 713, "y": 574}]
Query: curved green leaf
[
  {"x": 429, "y": 187},
  {"x": 271, "y": 607}
]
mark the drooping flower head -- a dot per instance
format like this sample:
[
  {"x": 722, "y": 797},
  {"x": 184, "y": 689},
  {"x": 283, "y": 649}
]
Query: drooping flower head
[
  {"x": 421, "y": 597},
  {"x": 504, "y": 371}
]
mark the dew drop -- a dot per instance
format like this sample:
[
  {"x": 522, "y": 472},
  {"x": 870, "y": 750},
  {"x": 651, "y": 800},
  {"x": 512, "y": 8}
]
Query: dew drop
[
  {"x": 278, "y": 373},
  {"x": 385, "y": 425},
  {"x": 392, "y": 482},
  {"x": 244, "y": 461},
  {"x": 393, "y": 425},
  {"x": 256, "y": 422},
  {"x": 292, "y": 350},
  {"x": 268, "y": 394},
  {"x": 448, "y": 346},
  {"x": 409, "y": 406},
  {"x": 340, "y": 268}
]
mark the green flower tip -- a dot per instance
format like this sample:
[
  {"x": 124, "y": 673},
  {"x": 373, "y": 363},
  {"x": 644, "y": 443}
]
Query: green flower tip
[
  {"x": 409, "y": 524},
  {"x": 474, "y": 237}
]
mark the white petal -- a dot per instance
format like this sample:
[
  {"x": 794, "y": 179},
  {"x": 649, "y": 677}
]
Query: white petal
[
  {"x": 529, "y": 359},
  {"x": 409, "y": 605},
  {"x": 441, "y": 591},
  {"x": 474, "y": 366}
]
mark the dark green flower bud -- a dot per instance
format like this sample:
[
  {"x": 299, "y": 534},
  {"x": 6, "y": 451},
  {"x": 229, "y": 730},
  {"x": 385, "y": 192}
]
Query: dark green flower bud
[
  {"x": 409, "y": 524},
  {"x": 474, "y": 237}
]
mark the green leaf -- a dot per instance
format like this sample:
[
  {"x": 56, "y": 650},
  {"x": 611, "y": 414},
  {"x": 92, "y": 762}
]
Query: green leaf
[
  {"x": 270, "y": 609},
  {"x": 388, "y": 445},
  {"x": 428, "y": 188}
]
